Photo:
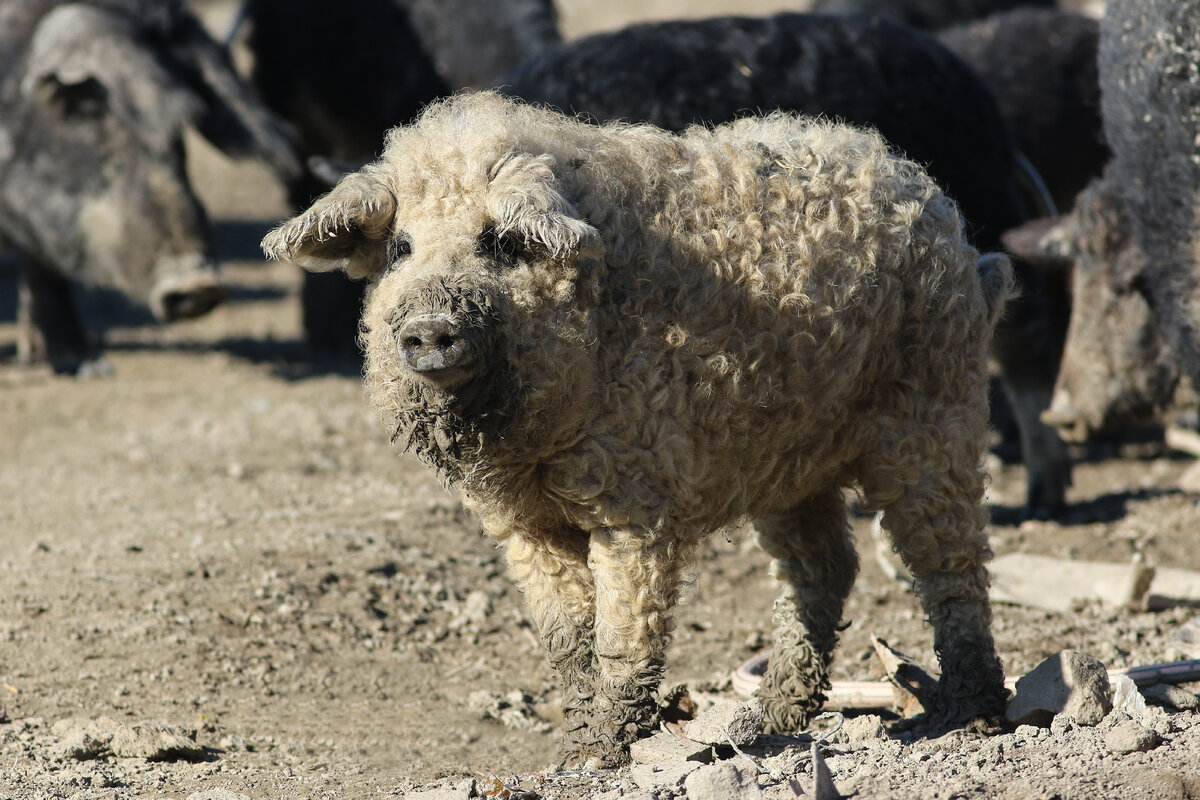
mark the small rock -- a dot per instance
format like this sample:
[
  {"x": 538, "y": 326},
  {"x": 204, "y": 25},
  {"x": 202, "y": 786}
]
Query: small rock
[
  {"x": 669, "y": 749},
  {"x": 1026, "y": 732},
  {"x": 476, "y": 608},
  {"x": 727, "y": 721},
  {"x": 722, "y": 781},
  {"x": 864, "y": 728},
  {"x": 1067, "y": 682},
  {"x": 661, "y": 776},
  {"x": 1062, "y": 723},
  {"x": 514, "y": 710},
  {"x": 438, "y": 794},
  {"x": 1130, "y": 737},
  {"x": 1166, "y": 694},
  {"x": 756, "y": 641},
  {"x": 155, "y": 741},
  {"x": 1188, "y": 637}
]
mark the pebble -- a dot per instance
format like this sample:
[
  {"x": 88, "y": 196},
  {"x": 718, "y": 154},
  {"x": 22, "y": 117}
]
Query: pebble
[
  {"x": 726, "y": 780},
  {"x": 655, "y": 776},
  {"x": 1130, "y": 737},
  {"x": 727, "y": 721},
  {"x": 216, "y": 794},
  {"x": 864, "y": 728}
]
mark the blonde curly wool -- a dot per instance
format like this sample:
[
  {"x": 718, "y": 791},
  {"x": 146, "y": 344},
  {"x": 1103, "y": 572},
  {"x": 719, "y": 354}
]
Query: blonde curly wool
[{"x": 664, "y": 335}]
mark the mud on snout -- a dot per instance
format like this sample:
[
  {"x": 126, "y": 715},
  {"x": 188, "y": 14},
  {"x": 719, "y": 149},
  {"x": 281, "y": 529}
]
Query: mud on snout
[{"x": 446, "y": 336}]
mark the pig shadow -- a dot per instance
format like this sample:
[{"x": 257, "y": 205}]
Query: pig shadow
[{"x": 1103, "y": 508}]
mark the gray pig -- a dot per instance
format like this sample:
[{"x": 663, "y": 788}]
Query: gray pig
[
  {"x": 1133, "y": 235},
  {"x": 1116, "y": 370},
  {"x": 94, "y": 99}
]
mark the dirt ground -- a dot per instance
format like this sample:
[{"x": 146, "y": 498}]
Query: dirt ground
[{"x": 220, "y": 538}]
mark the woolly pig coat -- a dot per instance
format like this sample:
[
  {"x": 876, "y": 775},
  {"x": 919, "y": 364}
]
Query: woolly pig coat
[
  {"x": 676, "y": 333},
  {"x": 720, "y": 324}
]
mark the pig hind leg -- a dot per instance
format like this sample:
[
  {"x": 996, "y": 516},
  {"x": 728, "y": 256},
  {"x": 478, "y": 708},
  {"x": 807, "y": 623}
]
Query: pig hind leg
[
  {"x": 930, "y": 487},
  {"x": 815, "y": 559}
]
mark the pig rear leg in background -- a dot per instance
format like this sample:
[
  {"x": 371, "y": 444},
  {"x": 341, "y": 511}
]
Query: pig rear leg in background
[
  {"x": 49, "y": 327},
  {"x": 1028, "y": 347},
  {"x": 815, "y": 559},
  {"x": 552, "y": 571}
]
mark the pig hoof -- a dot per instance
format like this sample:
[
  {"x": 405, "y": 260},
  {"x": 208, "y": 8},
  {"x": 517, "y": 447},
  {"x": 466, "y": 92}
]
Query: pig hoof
[{"x": 94, "y": 368}]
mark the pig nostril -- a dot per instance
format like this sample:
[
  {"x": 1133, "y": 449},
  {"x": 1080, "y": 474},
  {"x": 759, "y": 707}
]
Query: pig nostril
[
  {"x": 434, "y": 345},
  {"x": 192, "y": 304}
]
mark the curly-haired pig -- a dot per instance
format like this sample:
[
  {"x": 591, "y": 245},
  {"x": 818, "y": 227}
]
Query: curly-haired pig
[{"x": 617, "y": 340}]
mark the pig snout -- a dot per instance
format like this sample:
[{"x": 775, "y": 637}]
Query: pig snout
[
  {"x": 436, "y": 347},
  {"x": 1063, "y": 415},
  {"x": 187, "y": 292}
]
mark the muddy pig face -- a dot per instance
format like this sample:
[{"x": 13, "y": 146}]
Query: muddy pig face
[
  {"x": 92, "y": 176},
  {"x": 1115, "y": 370},
  {"x": 478, "y": 312}
]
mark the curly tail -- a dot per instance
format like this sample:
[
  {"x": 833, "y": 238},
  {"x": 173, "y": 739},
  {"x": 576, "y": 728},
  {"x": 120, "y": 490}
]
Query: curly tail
[{"x": 998, "y": 284}]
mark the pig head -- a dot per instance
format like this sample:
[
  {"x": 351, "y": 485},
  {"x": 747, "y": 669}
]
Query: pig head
[
  {"x": 94, "y": 101},
  {"x": 477, "y": 316},
  {"x": 1116, "y": 369}
]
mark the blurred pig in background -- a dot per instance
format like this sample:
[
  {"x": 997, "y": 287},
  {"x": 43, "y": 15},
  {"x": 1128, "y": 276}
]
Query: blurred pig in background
[{"x": 95, "y": 97}]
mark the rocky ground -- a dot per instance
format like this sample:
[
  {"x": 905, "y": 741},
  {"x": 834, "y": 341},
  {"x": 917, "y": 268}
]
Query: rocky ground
[{"x": 217, "y": 581}]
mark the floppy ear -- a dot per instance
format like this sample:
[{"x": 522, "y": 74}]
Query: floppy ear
[
  {"x": 1049, "y": 242},
  {"x": 346, "y": 229},
  {"x": 524, "y": 201}
]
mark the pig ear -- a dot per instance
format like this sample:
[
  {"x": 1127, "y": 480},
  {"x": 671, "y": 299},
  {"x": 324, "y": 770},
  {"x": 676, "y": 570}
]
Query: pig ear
[
  {"x": 1049, "y": 242},
  {"x": 524, "y": 200},
  {"x": 346, "y": 229}
]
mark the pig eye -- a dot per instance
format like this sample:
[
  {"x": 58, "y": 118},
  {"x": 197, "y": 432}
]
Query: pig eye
[
  {"x": 87, "y": 99},
  {"x": 400, "y": 248},
  {"x": 503, "y": 248}
]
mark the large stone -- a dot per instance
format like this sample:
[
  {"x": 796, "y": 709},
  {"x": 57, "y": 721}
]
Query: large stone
[
  {"x": 726, "y": 780},
  {"x": 1165, "y": 694},
  {"x": 1067, "y": 682},
  {"x": 727, "y": 721}
]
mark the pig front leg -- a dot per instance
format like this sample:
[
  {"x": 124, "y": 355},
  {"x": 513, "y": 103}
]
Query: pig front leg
[
  {"x": 49, "y": 326},
  {"x": 637, "y": 578},
  {"x": 552, "y": 571}
]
